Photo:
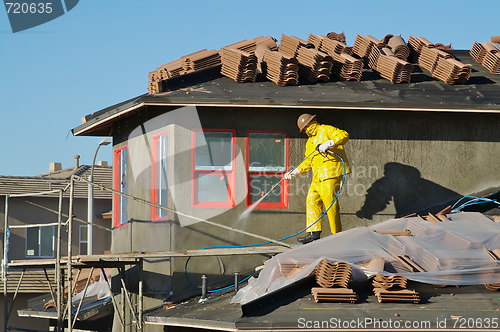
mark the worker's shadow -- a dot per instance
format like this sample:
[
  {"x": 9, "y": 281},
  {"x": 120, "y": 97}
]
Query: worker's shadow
[{"x": 410, "y": 192}]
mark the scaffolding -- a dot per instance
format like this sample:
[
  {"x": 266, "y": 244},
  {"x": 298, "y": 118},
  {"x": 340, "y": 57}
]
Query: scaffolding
[{"x": 63, "y": 266}]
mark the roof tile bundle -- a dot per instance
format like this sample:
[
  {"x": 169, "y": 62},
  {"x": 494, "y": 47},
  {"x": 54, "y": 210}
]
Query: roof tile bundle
[
  {"x": 346, "y": 67},
  {"x": 478, "y": 51},
  {"x": 187, "y": 64},
  {"x": 429, "y": 57},
  {"x": 314, "y": 65},
  {"x": 394, "y": 69},
  {"x": 200, "y": 60},
  {"x": 363, "y": 45},
  {"x": 403, "y": 295},
  {"x": 238, "y": 65},
  {"x": 336, "y": 36},
  {"x": 334, "y": 274},
  {"x": 399, "y": 47},
  {"x": 451, "y": 71},
  {"x": 290, "y": 45},
  {"x": 334, "y": 295},
  {"x": 415, "y": 45},
  {"x": 278, "y": 67},
  {"x": 251, "y": 45},
  {"x": 327, "y": 45},
  {"x": 389, "y": 282},
  {"x": 491, "y": 62}
]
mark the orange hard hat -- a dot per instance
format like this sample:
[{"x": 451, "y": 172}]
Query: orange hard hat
[{"x": 304, "y": 120}]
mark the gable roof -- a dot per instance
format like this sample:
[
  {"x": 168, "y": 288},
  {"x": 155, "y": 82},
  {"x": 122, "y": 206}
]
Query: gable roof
[{"x": 57, "y": 180}]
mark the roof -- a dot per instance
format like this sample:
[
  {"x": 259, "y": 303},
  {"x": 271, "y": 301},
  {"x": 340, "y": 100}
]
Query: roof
[
  {"x": 291, "y": 309},
  {"x": 57, "y": 180},
  {"x": 207, "y": 87}
]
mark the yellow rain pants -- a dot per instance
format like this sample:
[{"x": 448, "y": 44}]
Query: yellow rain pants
[{"x": 328, "y": 171}]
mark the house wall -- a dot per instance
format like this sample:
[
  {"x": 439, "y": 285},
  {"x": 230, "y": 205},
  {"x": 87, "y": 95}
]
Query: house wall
[
  {"x": 21, "y": 213},
  {"x": 402, "y": 162}
]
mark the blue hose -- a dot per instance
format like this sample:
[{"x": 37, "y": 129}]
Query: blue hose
[
  {"x": 473, "y": 200},
  {"x": 263, "y": 243}
]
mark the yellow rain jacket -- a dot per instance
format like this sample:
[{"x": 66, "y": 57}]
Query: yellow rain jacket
[{"x": 328, "y": 171}]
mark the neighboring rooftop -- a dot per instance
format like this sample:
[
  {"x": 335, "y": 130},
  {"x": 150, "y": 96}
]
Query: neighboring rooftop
[{"x": 59, "y": 179}]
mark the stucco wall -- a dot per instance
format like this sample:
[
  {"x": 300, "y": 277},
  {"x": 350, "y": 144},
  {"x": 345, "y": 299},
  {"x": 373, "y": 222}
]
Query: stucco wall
[{"x": 402, "y": 162}]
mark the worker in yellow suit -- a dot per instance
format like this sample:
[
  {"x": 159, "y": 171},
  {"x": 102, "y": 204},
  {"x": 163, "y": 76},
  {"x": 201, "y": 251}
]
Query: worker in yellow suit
[{"x": 328, "y": 172}]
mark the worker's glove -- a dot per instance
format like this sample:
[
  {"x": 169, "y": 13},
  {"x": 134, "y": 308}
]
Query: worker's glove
[
  {"x": 325, "y": 146},
  {"x": 291, "y": 174}
]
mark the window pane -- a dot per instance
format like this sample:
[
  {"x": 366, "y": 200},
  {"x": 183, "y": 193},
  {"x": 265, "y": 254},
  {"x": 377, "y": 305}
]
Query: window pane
[
  {"x": 260, "y": 185},
  {"x": 83, "y": 233},
  {"x": 212, "y": 188},
  {"x": 161, "y": 176},
  {"x": 213, "y": 149},
  {"x": 47, "y": 241},
  {"x": 83, "y": 248},
  {"x": 32, "y": 235},
  {"x": 266, "y": 152}
]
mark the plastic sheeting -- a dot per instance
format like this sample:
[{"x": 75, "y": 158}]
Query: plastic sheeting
[{"x": 450, "y": 252}]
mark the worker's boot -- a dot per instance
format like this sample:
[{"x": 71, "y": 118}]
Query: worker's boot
[{"x": 310, "y": 237}]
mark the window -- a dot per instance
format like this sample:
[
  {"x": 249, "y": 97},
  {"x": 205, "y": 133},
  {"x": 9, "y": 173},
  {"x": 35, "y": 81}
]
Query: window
[
  {"x": 159, "y": 171},
  {"x": 40, "y": 241},
  {"x": 83, "y": 239},
  {"x": 121, "y": 185},
  {"x": 267, "y": 161},
  {"x": 213, "y": 168}
]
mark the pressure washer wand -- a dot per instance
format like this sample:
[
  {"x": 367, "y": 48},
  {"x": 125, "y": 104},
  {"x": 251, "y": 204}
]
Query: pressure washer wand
[{"x": 277, "y": 184}]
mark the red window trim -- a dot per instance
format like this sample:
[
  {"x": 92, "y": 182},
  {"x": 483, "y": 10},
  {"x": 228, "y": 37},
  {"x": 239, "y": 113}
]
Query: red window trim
[
  {"x": 284, "y": 189},
  {"x": 154, "y": 192},
  {"x": 116, "y": 184},
  {"x": 230, "y": 203}
]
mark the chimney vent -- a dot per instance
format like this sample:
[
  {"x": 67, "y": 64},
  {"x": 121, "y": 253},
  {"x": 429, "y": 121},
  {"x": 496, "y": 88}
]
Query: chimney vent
[
  {"x": 77, "y": 161},
  {"x": 54, "y": 167},
  {"x": 102, "y": 163}
]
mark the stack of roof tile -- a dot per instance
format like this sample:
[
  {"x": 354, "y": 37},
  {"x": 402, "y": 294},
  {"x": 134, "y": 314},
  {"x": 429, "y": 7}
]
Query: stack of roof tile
[
  {"x": 389, "y": 282},
  {"x": 334, "y": 295},
  {"x": 429, "y": 57},
  {"x": 491, "y": 62},
  {"x": 238, "y": 65},
  {"x": 290, "y": 45},
  {"x": 363, "y": 45},
  {"x": 391, "y": 67},
  {"x": 399, "y": 47},
  {"x": 187, "y": 64},
  {"x": 402, "y": 295},
  {"x": 451, "y": 71},
  {"x": 251, "y": 45},
  {"x": 415, "y": 45},
  {"x": 278, "y": 67},
  {"x": 337, "y": 275},
  {"x": 314, "y": 65},
  {"x": 346, "y": 67},
  {"x": 478, "y": 51},
  {"x": 200, "y": 60},
  {"x": 336, "y": 36},
  {"x": 334, "y": 274}
]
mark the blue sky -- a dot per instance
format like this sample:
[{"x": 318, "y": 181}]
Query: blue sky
[{"x": 100, "y": 54}]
